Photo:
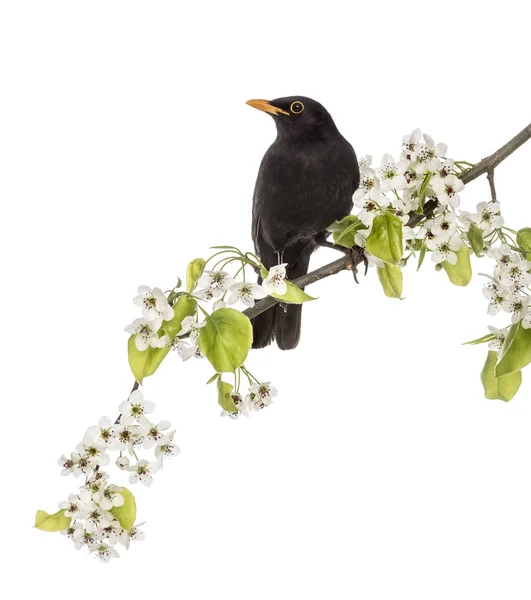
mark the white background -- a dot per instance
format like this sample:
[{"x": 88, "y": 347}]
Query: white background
[{"x": 127, "y": 149}]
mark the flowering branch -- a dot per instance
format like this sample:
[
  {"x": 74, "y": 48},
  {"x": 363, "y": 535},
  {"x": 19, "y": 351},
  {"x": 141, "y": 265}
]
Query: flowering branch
[
  {"x": 406, "y": 209},
  {"x": 487, "y": 165}
]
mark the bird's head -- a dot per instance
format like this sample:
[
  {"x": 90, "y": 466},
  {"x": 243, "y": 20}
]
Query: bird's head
[{"x": 298, "y": 116}]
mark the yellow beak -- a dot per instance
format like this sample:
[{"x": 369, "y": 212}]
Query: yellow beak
[{"x": 267, "y": 107}]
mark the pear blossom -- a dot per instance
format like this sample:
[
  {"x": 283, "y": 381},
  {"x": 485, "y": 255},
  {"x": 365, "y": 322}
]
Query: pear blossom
[
  {"x": 102, "y": 433},
  {"x": 154, "y": 433},
  {"x": 500, "y": 335},
  {"x": 260, "y": 395},
  {"x": 447, "y": 190},
  {"x": 75, "y": 507},
  {"x": 104, "y": 552},
  {"x": 517, "y": 305},
  {"x": 496, "y": 294},
  {"x": 134, "y": 535},
  {"x": 109, "y": 496},
  {"x": 70, "y": 531},
  {"x": 154, "y": 304},
  {"x": 445, "y": 250},
  {"x": 445, "y": 225},
  {"x": 429, "y": 154},
  {"x": 146, "y": 333},
  {"x": 112, "y": 533},
  {"x": 410, "y": 145},
  {"x": 246, "y": 292},
  {"x": 392, "y": 174},
  {"x": 191, "y": 327},
  {"x": 488, "y": 216},
  {"x": 274, "y": 283},
  {"x": 143, "y": 472},
  {"x": 122, "y": 462},
  {"x": 94, "y": 452},
  {"x": 216, "y": 283},
  {"x": 135, "y": 408},
  {"x": 68, "y": 463},
  {"x": 83, "y": 537},
  {"x": 516, "y": 273},
  {"x": 166, "y": 448}
]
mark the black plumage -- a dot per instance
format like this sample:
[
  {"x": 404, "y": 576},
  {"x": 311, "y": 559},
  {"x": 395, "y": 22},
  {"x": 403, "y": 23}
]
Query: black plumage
[{"x": 306, "y": 181}]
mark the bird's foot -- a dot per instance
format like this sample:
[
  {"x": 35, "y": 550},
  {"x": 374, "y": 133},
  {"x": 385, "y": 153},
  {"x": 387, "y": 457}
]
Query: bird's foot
[{"x": 357, "y": 255}]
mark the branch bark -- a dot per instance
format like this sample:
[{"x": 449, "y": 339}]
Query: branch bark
[{"x": 487, "y": 165}]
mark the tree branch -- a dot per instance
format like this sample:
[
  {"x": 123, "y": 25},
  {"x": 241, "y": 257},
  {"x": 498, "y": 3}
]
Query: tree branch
[
  {"x": 492, "y": 161},
  {"x": 487, "y": 165}
]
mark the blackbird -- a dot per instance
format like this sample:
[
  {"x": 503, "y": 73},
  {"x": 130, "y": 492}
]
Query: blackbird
[{"x": 305, "y": 182}]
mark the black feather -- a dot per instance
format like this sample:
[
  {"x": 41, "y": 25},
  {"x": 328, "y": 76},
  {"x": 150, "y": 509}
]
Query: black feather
[{"x": 306, "y": 181}]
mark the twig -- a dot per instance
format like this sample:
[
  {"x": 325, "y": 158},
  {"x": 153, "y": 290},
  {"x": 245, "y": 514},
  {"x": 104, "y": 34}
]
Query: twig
[
  {"x": 492, "y": 161},
  {"x": 487, "y": 165},
  {"x": 490, "y": 177}
]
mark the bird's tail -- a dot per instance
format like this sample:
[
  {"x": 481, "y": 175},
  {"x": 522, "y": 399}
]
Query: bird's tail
[{"x": 283, "y": 321}]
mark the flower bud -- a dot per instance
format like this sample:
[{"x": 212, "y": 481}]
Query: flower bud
[{"x": 122, "y": 462}]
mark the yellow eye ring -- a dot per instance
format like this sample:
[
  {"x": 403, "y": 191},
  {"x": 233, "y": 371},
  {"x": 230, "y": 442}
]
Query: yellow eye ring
[{"x": 296, "y": 107}]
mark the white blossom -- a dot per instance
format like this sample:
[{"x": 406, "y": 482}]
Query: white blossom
[
  {"x": 101, "y": 433},
  {"x": 392, "y": 174},
  {"x": 135, "y": 408},
  {"x": 154, "y": 304},
  {"x": 447, "y": 190},
  {"x": 191, "y": 327},
  {"x": 143, "y": 472},
  {"x": 260, "y": 395},
  {"x": 246, "y": 292},
  {"x": 274, "y": 283},
  {"x": 146, "y": 334},
  {"x": 445, "y": 250},
  {"x": 104, "y": 552},
  {"x": 109, "y": 496}
]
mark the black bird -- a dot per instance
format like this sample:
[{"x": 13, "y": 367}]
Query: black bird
[{"x": 306, "y": 181}]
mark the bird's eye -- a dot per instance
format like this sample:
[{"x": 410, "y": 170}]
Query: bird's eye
[{"x": 296, "y": 107}]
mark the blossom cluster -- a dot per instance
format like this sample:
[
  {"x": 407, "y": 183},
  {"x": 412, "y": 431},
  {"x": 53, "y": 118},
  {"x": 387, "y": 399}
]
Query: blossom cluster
[
  {"x": 93, "y": 523},
  {"x": 259, "y": 396},
  {"x": 422, "y": 174},
  {"x": 425, "y": 177},
  {"x": 221, "y": 287},
  {"x": 508, "y": 288}
]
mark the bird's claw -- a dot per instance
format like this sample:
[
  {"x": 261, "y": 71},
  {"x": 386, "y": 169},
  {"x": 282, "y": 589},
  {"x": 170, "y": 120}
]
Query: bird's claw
[{"x": 357, "y": 255}]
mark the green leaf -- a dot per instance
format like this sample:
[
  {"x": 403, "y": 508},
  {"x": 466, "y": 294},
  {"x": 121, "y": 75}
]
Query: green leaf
[
  {"x": 390, "y": 277},
  {"x": 226, "y": 339},
  {"x": 344, "y": 231},
  {"x": 499, "y": 388},
  {"x": 155, "y": 357},
  {"x": 460, "y": 273},
  {"x": 224, "y": 396},
  {"x": 422, "y": 255},
  {"x": 144, "y": 363},
  {"x": 126, "y": 513},
  {"x": 137, "y": 359},
  {"x": 55, "y": 522},
  {"x": 516, "y": 350},
  {"x": 184, "y": 307},
  {"x": 193, "y": 273},
  {"x": 213, "y": 378},
  {"x": 424, "y": 186},
  {"x": 523, "y": 239},
  {"x": 294, "y": 295},
  {"x": 481, "y": 340},
  {"x": 385, "y": 239},
  {"x": 475, "y": 237}
]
